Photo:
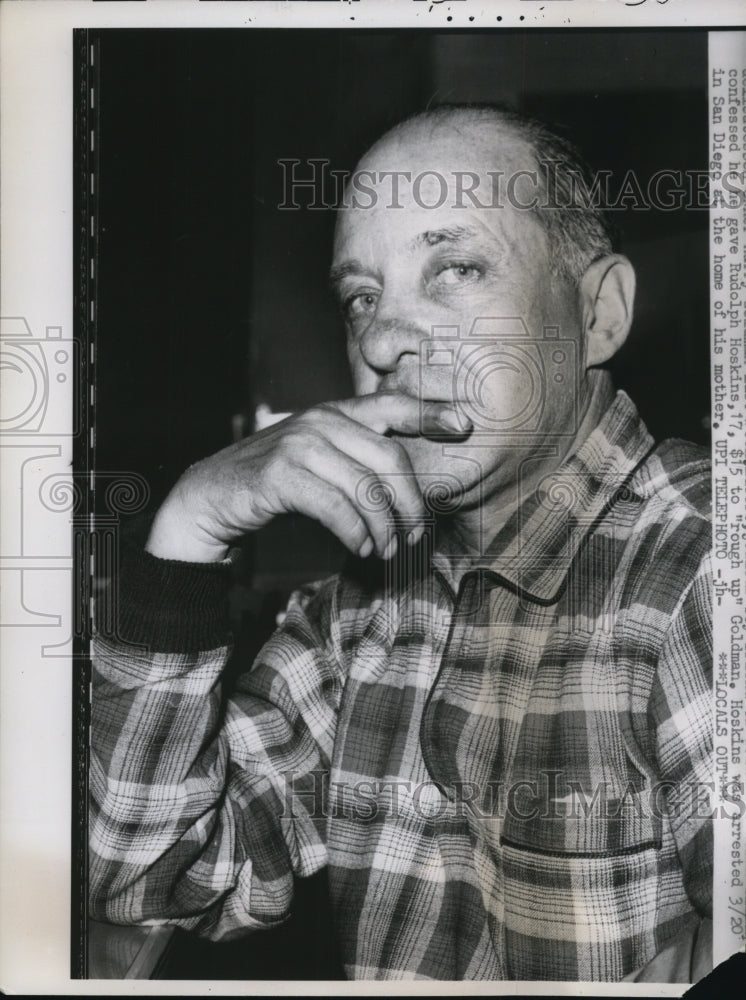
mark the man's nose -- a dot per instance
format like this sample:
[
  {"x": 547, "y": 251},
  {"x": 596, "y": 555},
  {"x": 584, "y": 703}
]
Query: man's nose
[{"x": 389, "y": 340}]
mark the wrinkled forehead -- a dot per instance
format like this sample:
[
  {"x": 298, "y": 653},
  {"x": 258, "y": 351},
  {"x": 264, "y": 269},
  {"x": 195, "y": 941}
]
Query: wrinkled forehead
[{"x": 428, "y": 175}]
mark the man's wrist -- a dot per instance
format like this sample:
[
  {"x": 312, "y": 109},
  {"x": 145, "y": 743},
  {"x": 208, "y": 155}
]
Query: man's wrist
[
  {"x": 171, "y": 605},
  {"x": 174, "y": 536}
]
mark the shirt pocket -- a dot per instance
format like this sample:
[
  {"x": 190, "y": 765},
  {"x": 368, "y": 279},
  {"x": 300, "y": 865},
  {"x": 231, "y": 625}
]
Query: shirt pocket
[
  {"x": 581, "y": 891},
  {"x": 578, "y": 824}
]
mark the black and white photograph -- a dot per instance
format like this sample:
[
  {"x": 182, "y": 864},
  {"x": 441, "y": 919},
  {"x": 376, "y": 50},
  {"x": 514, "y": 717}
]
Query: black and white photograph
[
  {"x": 392, "y": 365},
  {"x": 512, "y": 628}
]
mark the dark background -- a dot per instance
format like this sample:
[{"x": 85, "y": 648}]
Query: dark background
[{"x": 210, "y": 300}]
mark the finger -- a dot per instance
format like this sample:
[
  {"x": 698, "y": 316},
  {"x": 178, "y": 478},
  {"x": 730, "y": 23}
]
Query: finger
[
  {"x": 329, "y": 505},
  {"x": 396, "y": 411},
  {"x": 371, "y": 464},
  {"x": 366, "y": 491}
]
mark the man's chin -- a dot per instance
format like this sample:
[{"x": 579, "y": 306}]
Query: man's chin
[{"x": 449, "y": 474}]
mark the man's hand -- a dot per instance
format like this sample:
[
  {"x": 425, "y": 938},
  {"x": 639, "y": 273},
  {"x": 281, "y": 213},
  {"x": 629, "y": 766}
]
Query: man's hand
[{"x": 312, "y": 463}]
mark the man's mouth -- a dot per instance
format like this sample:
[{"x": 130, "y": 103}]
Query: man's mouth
[{"x": 440, "y": 399}]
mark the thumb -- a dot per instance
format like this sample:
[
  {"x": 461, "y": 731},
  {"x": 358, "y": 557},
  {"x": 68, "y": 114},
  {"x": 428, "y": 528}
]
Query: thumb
[{"x": 396, "y": 411}]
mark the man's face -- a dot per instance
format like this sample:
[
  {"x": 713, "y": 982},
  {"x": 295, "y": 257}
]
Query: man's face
[{"x": 451, "y": 303}]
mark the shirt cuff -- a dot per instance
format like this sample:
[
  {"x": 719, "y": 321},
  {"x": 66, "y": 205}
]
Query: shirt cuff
[{"x": 172, "y": 606}]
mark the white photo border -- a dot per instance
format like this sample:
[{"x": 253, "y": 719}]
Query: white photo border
[{"x": 37, "y": 696}]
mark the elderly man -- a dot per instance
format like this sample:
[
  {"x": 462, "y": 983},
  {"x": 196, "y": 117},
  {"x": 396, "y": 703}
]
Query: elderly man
[{"x": 492, "y": 727}]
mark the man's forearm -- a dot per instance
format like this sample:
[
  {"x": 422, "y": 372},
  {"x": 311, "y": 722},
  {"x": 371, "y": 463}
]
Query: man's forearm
[
  {"x": 187, "y": 789},
  {"x": 156, "y": 762}
]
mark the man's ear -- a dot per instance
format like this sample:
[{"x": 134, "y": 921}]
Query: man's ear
[{"x": 607, "y": 293}]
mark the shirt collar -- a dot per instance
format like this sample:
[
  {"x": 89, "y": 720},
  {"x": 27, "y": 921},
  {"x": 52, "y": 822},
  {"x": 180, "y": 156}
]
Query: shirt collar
[{"x": 534, "y": 550}]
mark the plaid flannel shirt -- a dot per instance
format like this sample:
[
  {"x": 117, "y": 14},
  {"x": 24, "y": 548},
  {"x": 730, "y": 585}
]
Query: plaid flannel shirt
[{"x": 504, "y": 781}]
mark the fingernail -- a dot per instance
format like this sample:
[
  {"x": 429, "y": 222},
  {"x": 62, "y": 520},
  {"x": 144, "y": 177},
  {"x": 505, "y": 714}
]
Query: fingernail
[
  {"x": 366, "y": 548},
  {"x": 453, "y": 422},
  {"x": 390, "y": 548}
]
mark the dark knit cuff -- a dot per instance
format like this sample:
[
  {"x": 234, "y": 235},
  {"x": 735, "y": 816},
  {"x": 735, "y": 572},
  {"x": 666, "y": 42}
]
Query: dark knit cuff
[{"x": 171, "y": 606}]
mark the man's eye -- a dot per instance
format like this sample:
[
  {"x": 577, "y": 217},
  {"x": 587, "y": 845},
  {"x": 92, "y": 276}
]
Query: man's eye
[
  {"x": 360, "y": 304},
  {"x": 458, "y": 273}
]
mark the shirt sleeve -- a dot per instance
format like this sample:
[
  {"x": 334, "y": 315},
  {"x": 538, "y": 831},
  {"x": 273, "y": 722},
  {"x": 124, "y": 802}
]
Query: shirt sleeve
[
  {"x": 681, "y": 717},
  {"x": 203, "y": 805}
]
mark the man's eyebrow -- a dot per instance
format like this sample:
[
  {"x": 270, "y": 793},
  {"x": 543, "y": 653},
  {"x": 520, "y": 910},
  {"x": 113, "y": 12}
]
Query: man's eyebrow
[
  {"x": 349, "y": 267},
  {"x": 448, "y": 234},
  {"x": 430, "y": 237}
]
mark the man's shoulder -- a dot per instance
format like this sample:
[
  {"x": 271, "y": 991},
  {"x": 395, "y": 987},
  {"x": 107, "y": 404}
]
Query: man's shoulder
[
  {"x": 657, "y": 533},
  {"x": 668, "y": 522},
  {"x": 676, "y": 474}
]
